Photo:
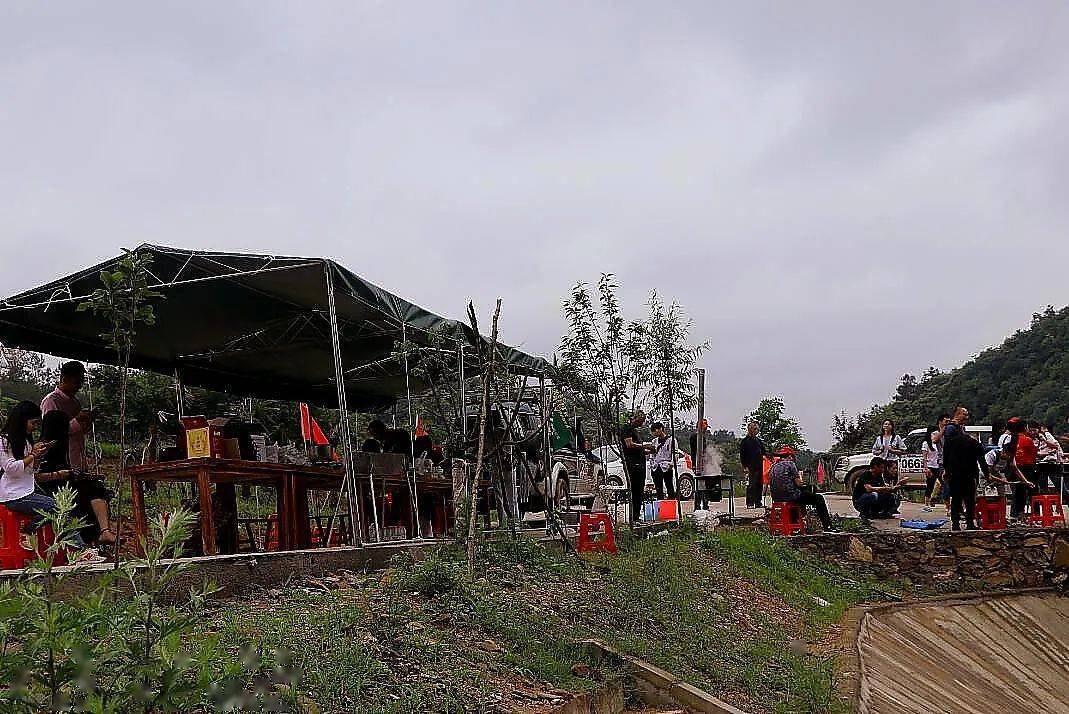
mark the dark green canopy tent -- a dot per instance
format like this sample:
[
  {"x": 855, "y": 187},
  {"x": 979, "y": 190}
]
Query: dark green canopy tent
[{"x": 254, "y": 325}]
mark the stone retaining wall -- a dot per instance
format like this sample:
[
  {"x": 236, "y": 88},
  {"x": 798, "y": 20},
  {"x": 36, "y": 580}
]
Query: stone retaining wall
[{"x": 1017, "y": 557}]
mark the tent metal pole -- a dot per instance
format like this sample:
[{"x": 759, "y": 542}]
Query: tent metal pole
[
  {"x": 411, "y": 438},
  {"x": 179, "y": 397},
  {"x": 546, "y": 465},
  {"x": 92, "y": 426},
  {"x": 343, "y": 410}
]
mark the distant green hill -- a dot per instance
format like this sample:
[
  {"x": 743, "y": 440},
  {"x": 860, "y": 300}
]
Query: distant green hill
[{"x": 1026, "y": 376}]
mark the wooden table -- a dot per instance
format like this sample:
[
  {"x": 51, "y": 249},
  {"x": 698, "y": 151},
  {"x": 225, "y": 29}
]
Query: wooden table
[{"x": 291, "y": 483}]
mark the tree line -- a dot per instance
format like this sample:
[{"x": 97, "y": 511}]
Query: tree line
[{"x": 1025, "y": 376}]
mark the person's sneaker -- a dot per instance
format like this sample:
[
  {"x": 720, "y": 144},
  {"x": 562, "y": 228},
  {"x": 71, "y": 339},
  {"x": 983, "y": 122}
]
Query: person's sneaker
[{"x": 86, "y": 557}]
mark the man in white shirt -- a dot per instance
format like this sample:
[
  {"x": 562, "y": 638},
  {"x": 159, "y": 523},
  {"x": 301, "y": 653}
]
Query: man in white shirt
[{"x": 662, "y": 469}]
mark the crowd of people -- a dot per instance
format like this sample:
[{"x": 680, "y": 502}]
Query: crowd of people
[
  {"x": 1013, "y": 459},
  {"x": 958, "y": 467},
  {"x": 43, "y": 449}
]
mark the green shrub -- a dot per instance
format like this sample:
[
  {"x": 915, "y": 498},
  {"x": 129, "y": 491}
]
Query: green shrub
[
  {"x": 123, "y": 644},
  {"x": 437, "y": 574}
]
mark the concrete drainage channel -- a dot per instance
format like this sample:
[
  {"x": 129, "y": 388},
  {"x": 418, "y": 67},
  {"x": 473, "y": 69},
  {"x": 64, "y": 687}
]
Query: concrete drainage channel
[
  {"x": 659, "y": 690},
  {"x": 970, "y": 654}
]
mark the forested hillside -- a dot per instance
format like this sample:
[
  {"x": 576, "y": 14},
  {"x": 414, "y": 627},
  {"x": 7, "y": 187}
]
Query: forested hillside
[{"x": 1026, "y": 376}]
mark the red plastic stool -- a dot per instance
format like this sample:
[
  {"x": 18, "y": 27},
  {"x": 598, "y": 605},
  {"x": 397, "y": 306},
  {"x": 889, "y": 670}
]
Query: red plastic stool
[
  {"x": 1046, "y": 511},
  {"x": 592, "y": 522},
  {"x": 785, "y": 518},
  {"x": 991, "y": 513},
  {"x": 12, "y": 554}
]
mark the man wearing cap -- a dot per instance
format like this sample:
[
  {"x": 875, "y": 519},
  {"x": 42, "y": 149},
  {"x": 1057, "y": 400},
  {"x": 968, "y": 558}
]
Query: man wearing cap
[
  {"x": 786, "y": 484},
  {"x": 63, "y": 399}
]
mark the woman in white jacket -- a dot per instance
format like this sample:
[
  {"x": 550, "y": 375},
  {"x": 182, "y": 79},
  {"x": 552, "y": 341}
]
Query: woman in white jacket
[
  {"x": 889, "y": 446},
  {"x": 19, "y": 457}
]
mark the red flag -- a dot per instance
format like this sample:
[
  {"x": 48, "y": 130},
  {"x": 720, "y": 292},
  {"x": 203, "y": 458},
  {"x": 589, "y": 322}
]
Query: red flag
[
  {"x": 310, "y": 430},
  {"x": 420, "y": 431},
  {"x": 820, "y": 473}
]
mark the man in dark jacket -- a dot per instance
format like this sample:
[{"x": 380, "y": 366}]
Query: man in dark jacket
[
  {"x": 752, "y": 455},
  {"x": 963, "y": 459}
]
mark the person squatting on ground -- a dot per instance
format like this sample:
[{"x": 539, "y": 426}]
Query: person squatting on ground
[
  {"x": 19, "y": 457},
  {"x": 662, "y": 468},
  {"x": 634, "y": 453},
  {"x": 873, "y": 497},
  {"x": 787, "y": 485},
  {"x": 963, "y": 459},
  {"x": 751, "y": 455}
]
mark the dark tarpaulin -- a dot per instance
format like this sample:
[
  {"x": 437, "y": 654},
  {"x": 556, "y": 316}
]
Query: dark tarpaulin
[{"x": 247, "y": 324}]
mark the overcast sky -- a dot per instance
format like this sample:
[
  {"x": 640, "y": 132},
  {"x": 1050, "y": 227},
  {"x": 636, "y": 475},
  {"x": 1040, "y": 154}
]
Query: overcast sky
[{"x": 836, "y": 192}]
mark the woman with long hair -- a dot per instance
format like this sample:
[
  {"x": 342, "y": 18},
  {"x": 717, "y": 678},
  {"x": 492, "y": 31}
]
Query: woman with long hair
[
  {"x": 932, "y": 450},
  {"x": 889, "y": 445},
  {"x": 19, "y": 459},
  {"x": 54, "y": 472}
]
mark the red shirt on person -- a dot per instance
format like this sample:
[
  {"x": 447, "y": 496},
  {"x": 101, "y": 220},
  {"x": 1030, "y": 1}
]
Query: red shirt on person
[{"x": 1027, "y": 451}]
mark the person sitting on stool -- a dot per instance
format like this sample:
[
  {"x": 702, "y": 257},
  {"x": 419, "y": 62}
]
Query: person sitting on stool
[
  {"x": 787, "y": 485},
  {"x": 873, "y": 498}
]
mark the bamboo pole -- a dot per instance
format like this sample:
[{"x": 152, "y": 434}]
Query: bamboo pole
[{"x": 343, "y": 412}]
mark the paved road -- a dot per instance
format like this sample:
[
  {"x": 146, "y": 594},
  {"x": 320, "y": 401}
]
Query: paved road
[{"x": 838, "y": 505}]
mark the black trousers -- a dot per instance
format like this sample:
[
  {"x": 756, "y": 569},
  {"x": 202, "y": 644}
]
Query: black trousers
[
  {"x": 817, "y": 501},
  {"x": 754, "y": 486},
  {"x": 931, "y": 476},
  {"x": 661, "y": 479},
  {"x": 1022, "y": 495},
  {"x": 963, "y": 497},
  {"x": 636, "y": 476},
  {"x": 86, "y": 490}
]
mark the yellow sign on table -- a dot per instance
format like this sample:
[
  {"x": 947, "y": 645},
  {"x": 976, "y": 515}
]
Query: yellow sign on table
[{"x": 198, "y": 443}]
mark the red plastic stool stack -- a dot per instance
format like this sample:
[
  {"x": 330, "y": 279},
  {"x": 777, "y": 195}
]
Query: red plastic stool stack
[
  {"x": 12, "y": 554},
  {"x": 590, "y": 523},
  {"x": 991, "y": 513},
  {"x": 785, "y": 518},
  {"x": 1047, "y": 511}
]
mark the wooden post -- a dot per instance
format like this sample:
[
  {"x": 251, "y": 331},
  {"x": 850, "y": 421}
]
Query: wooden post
[
  {"x": 207, "y": 522},
  {"x": 699, "y": 456}
]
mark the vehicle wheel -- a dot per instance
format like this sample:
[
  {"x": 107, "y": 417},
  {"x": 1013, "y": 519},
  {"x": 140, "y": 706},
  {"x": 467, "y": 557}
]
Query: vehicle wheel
[
  {"x": 848, "y": 484},
  {"x": 614, "y": 481},
  {"x": 562, "y": 494},
  {"x": 686, "y": 487}
]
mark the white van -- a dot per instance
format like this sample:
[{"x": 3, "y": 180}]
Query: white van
[{"x": 911, "y": 469}]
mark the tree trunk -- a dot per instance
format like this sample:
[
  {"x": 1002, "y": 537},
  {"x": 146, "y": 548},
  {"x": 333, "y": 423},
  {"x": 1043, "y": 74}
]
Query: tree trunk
[
  {"x": 483, "y": 410},
  {"x": 124, "y": 375}
]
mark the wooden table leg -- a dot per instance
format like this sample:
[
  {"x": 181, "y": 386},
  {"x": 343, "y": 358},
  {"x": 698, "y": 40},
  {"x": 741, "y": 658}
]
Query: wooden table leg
[
  {"x": 207, "y": 523},
  {"x": 285, "y": 513},
  {"x": 301, "y": 535},
  {"x": 137, "y": 500},
  {"x": 227, "y": 531}
]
